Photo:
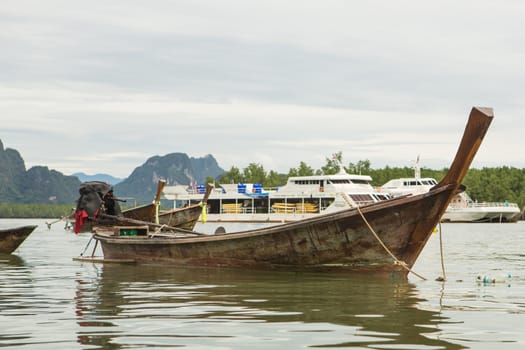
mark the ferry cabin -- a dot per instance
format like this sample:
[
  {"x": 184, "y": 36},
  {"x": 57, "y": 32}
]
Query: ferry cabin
[{"x": 404, "y": 186}]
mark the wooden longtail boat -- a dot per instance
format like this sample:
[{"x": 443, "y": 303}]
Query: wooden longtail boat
[
  {"x": 384, "y": 236},
  {"x": 93, "y": 204},
  {"x": 11, "y": 238}
]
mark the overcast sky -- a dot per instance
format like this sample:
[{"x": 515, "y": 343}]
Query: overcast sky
[{"x": 101, "y": 86}]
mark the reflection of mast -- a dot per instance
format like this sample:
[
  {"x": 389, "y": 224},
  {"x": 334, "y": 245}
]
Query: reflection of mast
[{"x": 417, "y": 170}]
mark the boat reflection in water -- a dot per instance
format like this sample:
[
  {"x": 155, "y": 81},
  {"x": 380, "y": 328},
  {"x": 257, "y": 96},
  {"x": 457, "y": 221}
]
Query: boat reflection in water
[{"x": 152, "y": 305}]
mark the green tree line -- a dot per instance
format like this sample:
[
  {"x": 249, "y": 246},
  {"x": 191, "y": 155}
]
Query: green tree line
[
  {"x": 487, "y": 184},
  {"x": 18, "y": 210}
]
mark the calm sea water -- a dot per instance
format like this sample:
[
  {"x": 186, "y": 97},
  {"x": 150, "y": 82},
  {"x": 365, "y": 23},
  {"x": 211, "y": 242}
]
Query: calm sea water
[{"x": 49, "y": 301}]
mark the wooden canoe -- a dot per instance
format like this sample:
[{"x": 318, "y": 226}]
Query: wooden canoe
[
  {"x": 386, "y": 236},
  {"x": 11, "y": 238}
]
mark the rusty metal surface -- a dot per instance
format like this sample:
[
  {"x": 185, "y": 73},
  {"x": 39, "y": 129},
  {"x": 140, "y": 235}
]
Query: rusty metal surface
[
  {"x": 11, "y": 238},
  {"x": 340, "y": 240}
]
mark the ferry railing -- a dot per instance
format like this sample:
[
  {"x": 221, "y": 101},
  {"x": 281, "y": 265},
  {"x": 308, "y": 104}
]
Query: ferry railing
[{"x": 487, "y": 204}]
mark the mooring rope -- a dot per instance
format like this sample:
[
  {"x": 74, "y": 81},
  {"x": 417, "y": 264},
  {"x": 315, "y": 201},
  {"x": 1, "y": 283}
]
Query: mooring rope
[
  {"x": 441, "y": 252},
  {"x": 396, "y": 260}
]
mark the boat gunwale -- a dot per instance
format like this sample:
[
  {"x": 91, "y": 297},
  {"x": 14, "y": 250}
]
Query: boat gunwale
[
  {"x": 19, "y": 228},
  {"x": 12, "y": 238}
]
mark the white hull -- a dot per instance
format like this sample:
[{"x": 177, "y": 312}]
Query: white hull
[{"x": 482, "y": 214}]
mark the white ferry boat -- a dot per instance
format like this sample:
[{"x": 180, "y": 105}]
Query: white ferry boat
[
  {"x": 301, "y": 197},
  {"x": 462, "y": 208}
]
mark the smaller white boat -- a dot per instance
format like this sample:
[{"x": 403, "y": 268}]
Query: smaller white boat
[{"x": 461, "y": 208}]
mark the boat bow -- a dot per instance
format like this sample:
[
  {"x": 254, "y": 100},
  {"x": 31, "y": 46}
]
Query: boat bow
[{"x": 475, "y": 130}]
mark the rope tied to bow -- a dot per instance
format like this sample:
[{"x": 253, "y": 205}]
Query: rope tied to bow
[{"x": 396, "y": 260}]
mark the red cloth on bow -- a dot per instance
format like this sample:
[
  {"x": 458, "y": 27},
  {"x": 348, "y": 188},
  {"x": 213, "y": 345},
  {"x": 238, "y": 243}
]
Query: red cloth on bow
[{"x": 80, "y": 218}]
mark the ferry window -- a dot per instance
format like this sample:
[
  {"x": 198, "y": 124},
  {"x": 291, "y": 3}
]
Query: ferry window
[
  {"x": 364, "y": 182},
  {"x": 361, "y": 197},
  {"x": 340, "y": 181},
  {"x": 380, "y": 197}
]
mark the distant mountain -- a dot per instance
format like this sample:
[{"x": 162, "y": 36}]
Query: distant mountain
[
  {"x": 175, "y": 168},
  {"x": 12, "y": 173},
  {"x": 98, "y": 177},
  {"x": 42, "y": 185},
  {"x": 36, "y": 185}
]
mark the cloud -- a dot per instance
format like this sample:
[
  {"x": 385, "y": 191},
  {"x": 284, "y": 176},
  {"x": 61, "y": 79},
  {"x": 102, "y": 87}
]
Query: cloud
[{"x": 267, "y": 82}]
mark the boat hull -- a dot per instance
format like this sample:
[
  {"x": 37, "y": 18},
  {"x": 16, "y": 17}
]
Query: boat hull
[
  {"x": 482, "y": 214},
  {"x": 338, "y": 241},
  {"x": 11, "y": 239}
]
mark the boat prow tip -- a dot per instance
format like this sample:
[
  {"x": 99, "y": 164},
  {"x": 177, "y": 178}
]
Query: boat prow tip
[{"x": 488, "y": 111}]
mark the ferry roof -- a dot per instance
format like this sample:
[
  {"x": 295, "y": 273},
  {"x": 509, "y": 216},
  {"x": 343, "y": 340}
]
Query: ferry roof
[
  {"x": 333, "y": 177},
  {"x": 399, "y": 181}
]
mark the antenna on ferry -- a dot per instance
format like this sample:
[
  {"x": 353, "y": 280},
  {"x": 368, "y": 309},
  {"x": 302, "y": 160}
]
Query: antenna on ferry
[
  {"x": 342, "y": 170},
  {"x": 417, "y": 170}
]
